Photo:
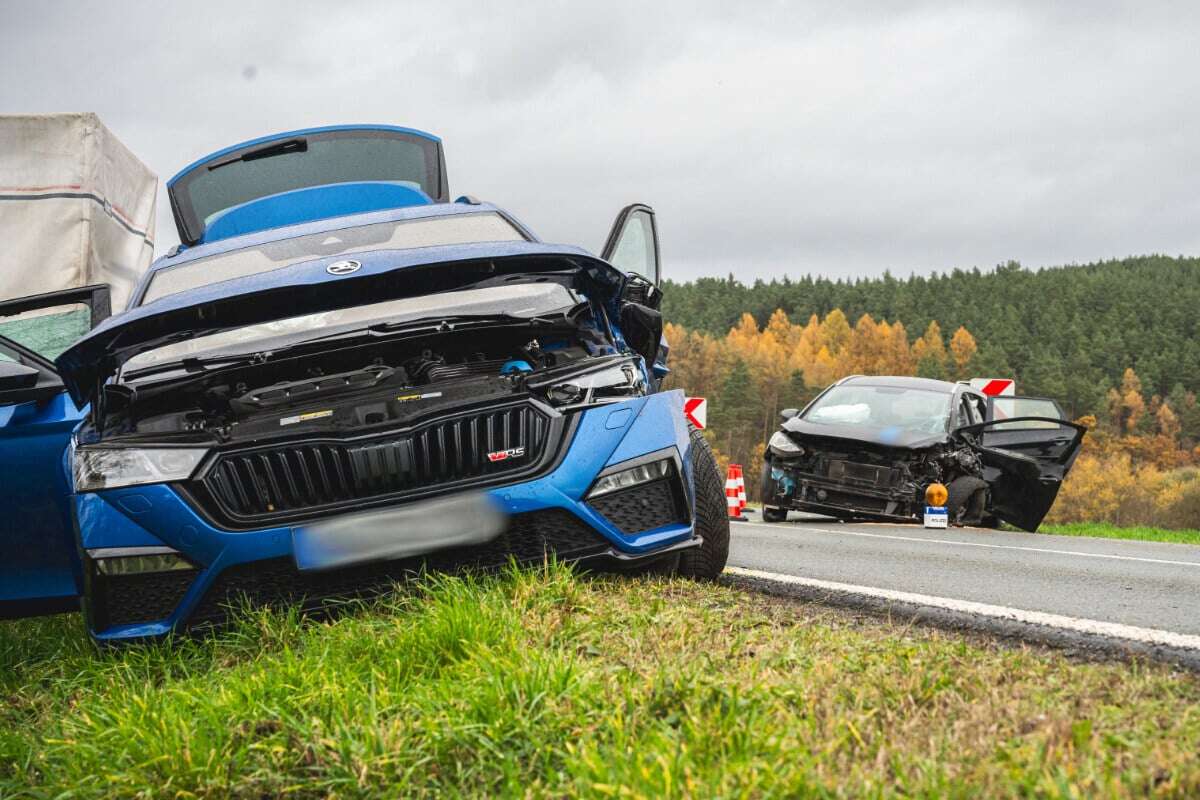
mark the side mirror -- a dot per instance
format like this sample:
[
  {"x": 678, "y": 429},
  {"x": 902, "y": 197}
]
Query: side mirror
[
  {"x": 788, "y": 413},
  {"x": 19, "y": 384},
  {"x": 638, "y": 289},
  {"x": 16, "y": 376}
]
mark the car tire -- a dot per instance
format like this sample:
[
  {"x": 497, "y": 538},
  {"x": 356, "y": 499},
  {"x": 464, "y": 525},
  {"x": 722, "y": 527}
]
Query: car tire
[
  {"x": 774, "y": 514},
  {"x": 965, "y": 500},
  {"x": 707, "y": 561}
]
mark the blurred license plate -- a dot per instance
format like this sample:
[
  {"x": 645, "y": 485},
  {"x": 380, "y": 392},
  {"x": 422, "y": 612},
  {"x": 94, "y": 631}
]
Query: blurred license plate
[{"x": 409, "y": 530}]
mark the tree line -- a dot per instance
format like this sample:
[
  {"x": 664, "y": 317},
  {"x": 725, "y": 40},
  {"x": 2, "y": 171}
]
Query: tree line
[
  {"x": 754, "y": 369},
  {"x": 1065, "y": 332}
]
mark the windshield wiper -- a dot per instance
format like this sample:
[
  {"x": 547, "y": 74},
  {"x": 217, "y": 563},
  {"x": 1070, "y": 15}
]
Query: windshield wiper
[
  {"x": 193, "y": 365},
  {"x": 266, "y": 151},
  {"x": 439, "y": 324}
]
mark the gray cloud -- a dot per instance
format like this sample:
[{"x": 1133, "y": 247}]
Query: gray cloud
[{"x": 783, "y": 138}]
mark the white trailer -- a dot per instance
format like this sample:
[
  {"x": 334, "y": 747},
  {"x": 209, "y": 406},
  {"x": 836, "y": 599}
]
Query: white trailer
[{"x": 76, "y": 207}]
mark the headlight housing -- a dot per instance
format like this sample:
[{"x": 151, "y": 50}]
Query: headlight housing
[
  {"x": 95, "y": 468},
  {"x": 642, "y": 473},
  {"x": 782, "y": 445},
  {"x": 608, "y": 383}
]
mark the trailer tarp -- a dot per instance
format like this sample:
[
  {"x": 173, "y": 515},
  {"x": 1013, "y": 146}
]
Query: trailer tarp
[{"x": 76, "y": 207}]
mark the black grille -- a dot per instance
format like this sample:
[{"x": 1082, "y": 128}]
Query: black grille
[
  {"x": 124, "y": 599},
  {"x": 862, "y": 474},
  {"x": 530, "y": 538},
  {"x": 290, "y": 481},
  {"x": 835, "y": 498},
  {"x": 645, "y": 507}
]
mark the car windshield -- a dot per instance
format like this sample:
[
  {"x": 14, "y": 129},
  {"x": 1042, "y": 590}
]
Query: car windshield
[
  {"x": 402, "y": 235},
  {"x": 517, "y": 300},
  {"x": 896, "y": 407}
]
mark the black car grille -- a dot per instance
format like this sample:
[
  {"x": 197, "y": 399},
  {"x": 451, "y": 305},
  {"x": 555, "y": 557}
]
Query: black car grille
[
  {"x": 295, "y": 480},
  {"x": 530, "y": 537},
  {"x": 146, "y": 597},
  {"x": 832, "y": 497},
  {"x": 868, "y": 475},
  {"x": 644, "y": 507}
]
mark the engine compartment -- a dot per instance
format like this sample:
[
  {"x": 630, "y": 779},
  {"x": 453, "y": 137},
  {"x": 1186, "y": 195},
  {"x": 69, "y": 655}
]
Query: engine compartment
[
  {"x": 900, "y": 474},
  {"x": 363, "y": 384}
]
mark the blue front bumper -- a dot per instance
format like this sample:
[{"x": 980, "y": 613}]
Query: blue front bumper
[{"x": 157, "y": 516}]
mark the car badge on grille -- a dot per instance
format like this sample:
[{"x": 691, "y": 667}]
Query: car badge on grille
[
  {"x": 343, "y": 267},
  {"x": 504, "y": 455}
]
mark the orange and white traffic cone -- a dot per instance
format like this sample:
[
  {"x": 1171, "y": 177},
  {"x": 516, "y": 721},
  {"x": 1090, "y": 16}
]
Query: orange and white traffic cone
[
  {"x": 735, "y": 493},
  {"x": 741, "y": 479}
]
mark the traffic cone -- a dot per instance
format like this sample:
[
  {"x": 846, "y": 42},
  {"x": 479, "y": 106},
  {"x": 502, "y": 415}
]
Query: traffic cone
[
  {"x": 735, "y": 493},
  {"x": 741, "y": 479}
]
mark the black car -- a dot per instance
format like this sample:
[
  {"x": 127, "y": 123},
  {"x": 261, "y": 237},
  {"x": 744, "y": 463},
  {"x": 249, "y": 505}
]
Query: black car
[{"x": 875, "y": 447}]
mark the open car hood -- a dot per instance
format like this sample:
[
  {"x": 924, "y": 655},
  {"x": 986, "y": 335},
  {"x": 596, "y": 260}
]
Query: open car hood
[
  {"x": 863, "y": 434},
  {"x": 307, "y": 288}
]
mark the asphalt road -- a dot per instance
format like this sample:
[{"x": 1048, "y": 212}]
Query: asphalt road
[{"x": 1099, "y": 586}]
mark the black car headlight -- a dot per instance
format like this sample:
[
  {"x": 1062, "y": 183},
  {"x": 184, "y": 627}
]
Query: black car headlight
[
  {"x": 607, "y": 383},
  {"x": 95, "y": 468},
  {"x": 782, "y": 445}
]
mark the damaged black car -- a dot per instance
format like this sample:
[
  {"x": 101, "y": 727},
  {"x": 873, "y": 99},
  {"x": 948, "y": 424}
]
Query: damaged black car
[{"x": 884, "y": 448}]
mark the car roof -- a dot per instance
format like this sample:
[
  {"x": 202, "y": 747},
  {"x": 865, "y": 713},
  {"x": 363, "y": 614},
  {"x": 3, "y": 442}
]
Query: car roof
[{"x": 903, "y": 381}]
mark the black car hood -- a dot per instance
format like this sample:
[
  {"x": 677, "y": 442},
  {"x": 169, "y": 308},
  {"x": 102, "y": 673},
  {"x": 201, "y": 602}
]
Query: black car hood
[
  {"x": 308, "y": 288},
  {"x": 882, "y": 437}
]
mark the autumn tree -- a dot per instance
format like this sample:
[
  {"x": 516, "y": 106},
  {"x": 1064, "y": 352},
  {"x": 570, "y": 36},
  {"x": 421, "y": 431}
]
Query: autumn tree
[
  {"x": 1126, "y": 404},
  {"x": 962, "y": 349}
]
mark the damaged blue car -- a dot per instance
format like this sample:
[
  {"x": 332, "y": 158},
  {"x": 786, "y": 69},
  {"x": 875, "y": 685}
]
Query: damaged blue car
[{"x": 341, "y": 378}]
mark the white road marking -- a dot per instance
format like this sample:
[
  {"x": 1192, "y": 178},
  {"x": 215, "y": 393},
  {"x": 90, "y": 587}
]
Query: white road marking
[
  {"x": 1112, "y": 630},
  {"x": 992, "y": 546}
]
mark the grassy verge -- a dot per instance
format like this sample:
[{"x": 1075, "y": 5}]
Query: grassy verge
[
  {"x": 542, "y": 683},
  {"x": 1105, "y": 530}
]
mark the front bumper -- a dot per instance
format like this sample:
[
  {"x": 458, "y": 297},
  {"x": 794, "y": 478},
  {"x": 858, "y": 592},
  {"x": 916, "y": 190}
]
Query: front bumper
[
  {"x": 792, "y": 489},
  {"x": 548, "y": 514}
]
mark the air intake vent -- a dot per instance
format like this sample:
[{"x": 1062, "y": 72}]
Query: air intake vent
[{"x": 285, "y": 482}]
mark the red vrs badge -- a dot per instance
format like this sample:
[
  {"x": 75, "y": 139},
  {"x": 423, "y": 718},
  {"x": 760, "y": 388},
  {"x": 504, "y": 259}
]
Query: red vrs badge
[{"x": 504, "y": 455}]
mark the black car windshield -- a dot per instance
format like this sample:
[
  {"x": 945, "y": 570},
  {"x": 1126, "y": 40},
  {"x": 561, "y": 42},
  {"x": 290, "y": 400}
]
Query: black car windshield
[
  {"x": 897, "y": 407},
  {"x": 524, "y": 300}
]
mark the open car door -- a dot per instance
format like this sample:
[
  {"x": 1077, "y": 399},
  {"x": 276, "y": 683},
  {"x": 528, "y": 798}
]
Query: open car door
[
  {"x": 632, "y": 244},
  {"x": 632, "y": 247},
  {"x": 39, "y": 566},
  {"x": 1027, "y": 448}
]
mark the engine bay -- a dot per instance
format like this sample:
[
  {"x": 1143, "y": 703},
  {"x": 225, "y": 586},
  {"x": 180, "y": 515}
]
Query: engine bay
[{"x": 365, "y": 383}]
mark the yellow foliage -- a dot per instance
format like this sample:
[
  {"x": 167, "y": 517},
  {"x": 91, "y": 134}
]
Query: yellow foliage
[
  {"x": 1119, "y": 476},
  {"x": 930, "y": 344},
  {"x": 963, "y": 349},
  {"x": 835, "y": 331},
  {"x": 1126, "y": 405},
  {"x": 1108, "y": 486}
]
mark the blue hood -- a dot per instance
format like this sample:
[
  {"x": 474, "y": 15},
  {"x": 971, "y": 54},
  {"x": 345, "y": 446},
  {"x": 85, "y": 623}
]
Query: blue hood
[{"x": 307, "y": 288}]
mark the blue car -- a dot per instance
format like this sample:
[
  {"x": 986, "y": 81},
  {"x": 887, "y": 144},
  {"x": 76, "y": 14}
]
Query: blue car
[{"x": 340, "y": 378}]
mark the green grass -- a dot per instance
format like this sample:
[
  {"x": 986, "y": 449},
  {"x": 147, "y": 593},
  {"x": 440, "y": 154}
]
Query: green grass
[
  {"x": 542, "y": 683},
  {"x": 1106, "y": 530}
]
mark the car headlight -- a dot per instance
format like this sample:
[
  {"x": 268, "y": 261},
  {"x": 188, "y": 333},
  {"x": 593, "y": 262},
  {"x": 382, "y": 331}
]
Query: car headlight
[
  {"x": 642, "y": 473},
  {"x": 613, "y": 382},
  {"x": 782, "y": 445},
  {"x": 95, "y": 468}
]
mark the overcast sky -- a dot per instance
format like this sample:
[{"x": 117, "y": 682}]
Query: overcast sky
[{"x": 772, "y": 138}]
